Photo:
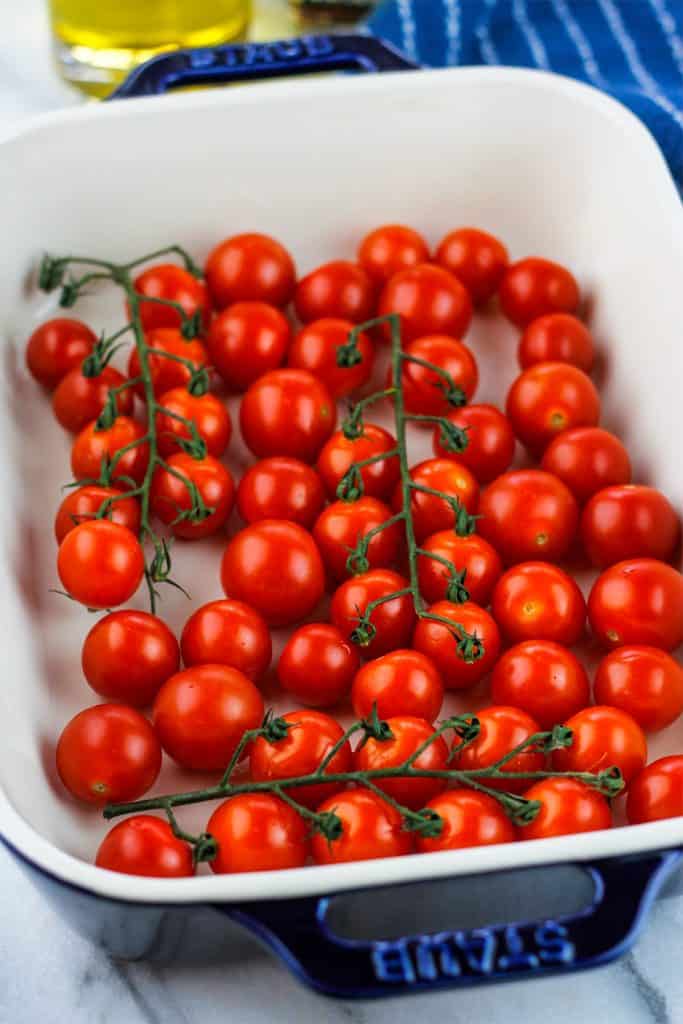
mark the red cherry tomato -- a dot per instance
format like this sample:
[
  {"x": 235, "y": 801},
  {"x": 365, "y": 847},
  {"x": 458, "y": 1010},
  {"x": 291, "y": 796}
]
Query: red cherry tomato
[
  {"x": 145, "y": 845},
  {"x": 391, "y": 248},
  {"x": 440, "y": 643},
  {"x": 404, "y": 682},
  {"x": 643, "y": 681},
  {"x": 208, "y": 413},
  {"x": 275, "y": 567},
  {"x": 338, "y": 454},
  {"x": 501, "y": 729},
  {"x": 490, "y": 441},
  {"x": 78, "y": 400},
  {"x": 91, "y": 446},
  {"x": 567, "y": 807},
  {"x": 310, "y": 738},
  {"x": 200, "y": 715},
  {"x": 280, "y": 488},
  {"x": 538, "y": 601},
  {"x": 127, "y": 655},
  {"x": 250, "y": 267},
  {"x": 371, "y": 828},
  {"x": 175, "y": 284},
  {"x": 557, "y": 337},
  {"x": 587, "y": 459},
  {"x": 630, "y": 521},
  {"x": 315, "y": 349},
  {"x": 392, "y": 620},
  {"x": 477, "y": 259},
  {"x": 257, "y": 832},
  {"x": 83, "y": 503},
  {"x": 317, "y": 665},
  {"x": 428, "y": 300},
  {"x": 638, "y": 602},
  {"x": 423, "y": 389},
  {"x": 407, "y": 735},
  {"x": 171, "y": 498},
  {"x": 431, "y": 514},
  {"x": 287, "y": 412},
  {"x": 108, "y": 754},
  {"x": 603, "y": 737},
  {"x": 472, "y": 557},
  {"x": 343, "y": 524},
  {"x": 100, "y": 564},
  {"x": 657, "y": 792},
  {"x": 543, "y": 679},
  {"x": 166, "y": 373},
  {"x": 247, "y": 340},
  {"x": 227, "y": 633},
  {"x": 339, "y": 289},
  {"x": 535, "y": 287},
  {"x": 56, "y": 347},
  {"x": 469, "y": 819},
  {"x": 549, "y": 398},
  {"x": 528, "y": 514}
]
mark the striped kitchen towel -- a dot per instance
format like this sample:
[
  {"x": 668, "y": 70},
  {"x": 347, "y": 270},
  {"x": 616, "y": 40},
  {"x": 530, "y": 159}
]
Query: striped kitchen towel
[{"x": 632, "y": 49}]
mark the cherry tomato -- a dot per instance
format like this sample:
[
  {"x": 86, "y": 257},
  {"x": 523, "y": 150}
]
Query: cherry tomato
[
  {"x": 431, "y": 514},
  {"x": 603, "y": 737},
  {"x": 557, "y": 337},
  {"x": 339, "y": 289},
  {"x": 208, "y": 413},
  {"x": 145, "y": 845},
  {"x": 171, "y": 498},
  {"x": 310, "y": 738},
  {"x": 275, "y": 567},
  {"x": 501, "y": 729},
  {"x": 472, "y": 557},
  {"x": 201, "y": 713},
  {"x": 549, "y": 398},
  {"x": 423, "y": 392},
  {"x": 167, "y": 281},
  {"x": 567, "y": 807},
  {"x": 543, "y": 679},
  {"x": 57, "y": 346},
  {"x": 639, "y": 601},
  {"x": 91, "y": 446},
  {"x": 167, "y": 374},
  {"x": 287, "y": 412},
  {"x": 538, "y": 601},
  {"x": 78, "y": 400},
  {"x": 490, "y": 441},
  {"x": 428, "y": 300},
  {"x": 477, "y": 259},
  {"x": 391, "y": 248},
  {"x": 404, "y": 682},
  {"x": 280, "y": 488},
  {"x": 657, "y": 792},
  {"x": 371, "y": 828},
  {"x": 247, "y": 340},
  {"x": 339, "y": 454},
  {"x": 643, "y": 681},
  {"x": 257, "y": 832},
  {"x": 127, "y": 655},
  {"x": 407, "y": 734},
  {"x": 341, "y": 526},
  {"x": 392, "y": 620},
  {"x": 469, "y": 819},
  {"x": 100, "y": 563},
  {"x": 317, "y": 665},
  {"x": 315, "y": 349},
  {"x": 527, "y": 514},
  {"x": 83, "y": 503},
  {"x": 630, "y": 521},
  {"x": 227, "y": 633},
  {"x": 250, "y": 267},
  {"x": 534, "y": 287},
  {"x": 440, "y": 643},
  {"x": 587, "y": 459},
  {"x": 108, "y": 754}
]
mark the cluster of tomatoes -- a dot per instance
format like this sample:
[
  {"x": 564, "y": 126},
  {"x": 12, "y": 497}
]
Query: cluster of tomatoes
[{"x": 297, "y": 536}]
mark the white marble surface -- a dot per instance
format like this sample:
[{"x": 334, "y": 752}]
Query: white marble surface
[{"x": 49, "y": 974}]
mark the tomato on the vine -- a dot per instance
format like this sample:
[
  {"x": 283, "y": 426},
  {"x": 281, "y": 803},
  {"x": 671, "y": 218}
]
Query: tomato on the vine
[
  {"x": 408, "y": 733},
  {"x": 639, "y": 601},
  {"x": 587, "y": 459},
  {"x": 371, "y": 828},
  {"x": 533, "y": 287},
  {"x": 247, "y": 340},
  {"x": 168, "y": 373},
  {"x": 644, "y": 681},
  {"x": 490, "y": 441},
  {"x": 429, "y": 512},
  {"x": 392, "y": 620},
  {"x": 472, "y": 557},
  {"x": 175, "y": 284},
  {"x": 280, "y": 488},
  {"x": 317, "y": 665},
  {"x": 250, "y": 267},
  {"x": 92, "y": 446},
  {"x": 170, "y": 498},
  {"x": 527, "y": 514},
  {"x": 100, "y": 563},
  {"x": 343, "y": 524},
  {"x": 339, "y": 289},
  {"x": 549, "y": 398},
  {"x": 657, "y": 792},
  {"x": 567, "y": 807},
  {"x": 390, "y": 248},
  {"x": 469, "y": 819},
  {"x": 83, "y": 503},
  {"x": 145, "y": 845},
  {"x": 287, "y": 412},
  {"x": 428, "y": 300},
  {"x": 404, "y": 682},
  {"x": 440, "y": 642},
  {"x": 77, "y": 399},
  {"x": 557, "y": 337},
  {"x": 424, "y": 390},
  {"x": 539, "y": 601},
  {"x": 476, "y": 258},
  {"x": 57, "y": 346},
  {"x": 631, "y": 521},
  {"x": 339, "y": 454},
  {"x": 227, "y": 633},
  {"x": 127, "y": 655},
  {"x": 501, "y": 729},
  {"x": 257, "y": 832},
  {"x": 208, "y": 413},
  {"x": 542, "y": 678},
  {"x": 315, "y": 349},
  {"x": 603, "y": 737}
]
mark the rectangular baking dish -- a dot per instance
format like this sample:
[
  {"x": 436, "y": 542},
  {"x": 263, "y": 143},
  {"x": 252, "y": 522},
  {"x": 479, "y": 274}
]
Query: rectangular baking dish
[{"x": 553, "y": 167}]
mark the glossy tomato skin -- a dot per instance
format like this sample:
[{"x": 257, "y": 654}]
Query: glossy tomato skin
[
  {"x": 393, "y": 620},
  {"x": 227, "y": 633},
  {"x": 631, "y": 521},
  {"x": 167, "y": 281},
  {"x": 557, "y": 337},
  {"x": 428, "y": 300},
  {"x": 539, "y": 601},
  {"x": 127, "y": 656},
  {"x": 287, "y": 412},
  {"x": 145, "y": 845},
  {"x": 534, "y": 287},
  {"x": 657, "y": 791},
  {"x": 643, "y": 681},
  {"x": 315, "y": 349},
  {"x": 422, "y": 391},
  {"x": 476, "y": 258},
  {"x": 469, "y": 819},
  {"x": 247, "y": 340},
  {"x": 207, "y": 412},
  {"x": 471, "y": 555},
  {"x": 549, "y": 398},
  {"x": 275, "y": 567},
  {"x": 502, "y": 728},
  {"x": 77, "y": 399},
  {"x": 169, "y": 495},
  {"x": 603, "y": 737},
  {"x": 587, "y": 459},
  {"x": 639, "y": 601},
  {"x": 168, "y": 373},
  {"x": 527, "y": 514},
  {"x": 257, "y": 832},
  {"x": 317, "y": 665},
  {"x": 83, "y": 503},
  {"x": 342, "y": 524},
  {"x": 100, "y": 564},
  {"x": 310, "y": 737},
  {"x": 567, "y": 807},
  {"x": 542, "y": 678},
  {"x": 407, "y": 734},
  {"x": 339, "y": 453},
  {"x": 404, "y": 682},
  {"x": 491, "y": 441},
  {"x": 429, "y": 513},
  {"x": 91, "y": 446},
  {"x": 339, "y": 289},
  {"x": 439, "y": 643},
  {"x": 371, "y": 828},
  {"x": 389, "y": 249},
  {"x": 57, "y": 346},
  {"x": 280, "y": 488},
  {"x": 201, "y": 713},
  {"x": 250, "y": 268},
  {"x": 108, "y": 754}
]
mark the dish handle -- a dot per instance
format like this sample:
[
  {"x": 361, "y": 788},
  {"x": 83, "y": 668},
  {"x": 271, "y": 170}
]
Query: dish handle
[{"x": 297, "y": 931}]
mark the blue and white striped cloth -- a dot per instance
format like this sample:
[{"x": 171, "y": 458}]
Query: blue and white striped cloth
[{"x": 632, "y": 49}]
